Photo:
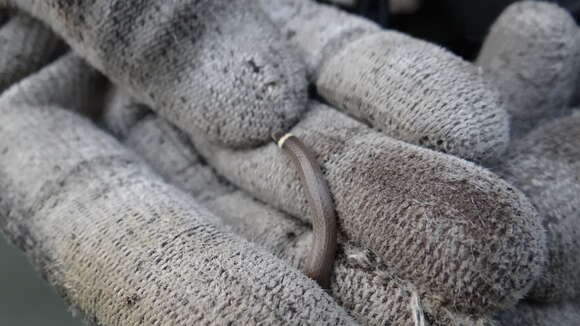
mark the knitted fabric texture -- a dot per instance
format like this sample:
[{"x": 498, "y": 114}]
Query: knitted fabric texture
[
  {"x": 200, "y": 86},
  {"x": 81, "y": 90},
  {"x": 361, "y": 283},
  {"x": 545, "y": 165},
  {"x": 340, "y": 140},
  {"x": 438, "y": 213},
  {"x": 26, "y": 46},
  {"x": 409, "y": 89},
  {"x": 122, "y": 246},
  {"x": 213, "y": 66},
  {"x": 533, "y": 47}
]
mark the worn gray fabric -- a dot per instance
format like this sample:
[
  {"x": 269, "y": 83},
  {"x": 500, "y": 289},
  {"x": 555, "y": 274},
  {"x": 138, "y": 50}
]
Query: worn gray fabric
[
  {"x": 575, "y": 100},
  {"x": 122, "y": 246},
  {"x": 439, "y": 222},
  {"x": 408, "y": 89},
  {"x": 361, "y": 283},
  {"x": 545, "y": 165},
  {"x": 252, "y": 165},
  {"x": 429, "y": 211},
  {"x": 74, "y": 85},
  {"x": 532, "y": 54},
  {"x": 255, "y": 167},
  {"x": 213, "y": 66},
  {"x": 538, "y": 87},
  {"x": 413, "y": 221},
  {"x": 541, "y": 314},
  {"x": 25, "y": 46},
  {"x": 119, "y": 121}
]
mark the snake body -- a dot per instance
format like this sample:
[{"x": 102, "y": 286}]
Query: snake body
[{"x": 323, "y": 249}]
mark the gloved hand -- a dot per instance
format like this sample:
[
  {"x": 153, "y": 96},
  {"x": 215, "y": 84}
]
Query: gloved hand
[
  {"x": 211, "y": 66},
  {"x": 119, "y": 244},
  {"x": 408, "y": 89},
  {"x": 532, "y": 54},
  {"x": 25, "y": 45},
  {"x": 151, "y": 131},
  {"x": 404, "y": 211},
  {"x": 529, "y": 54},
  {"x": 545, "y": 165},
  {"x": 327, "y": 132},
  {"x": 116, "y": 240}
]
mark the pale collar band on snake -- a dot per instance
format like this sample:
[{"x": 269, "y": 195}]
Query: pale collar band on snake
[{"x": 323, "y": 250}]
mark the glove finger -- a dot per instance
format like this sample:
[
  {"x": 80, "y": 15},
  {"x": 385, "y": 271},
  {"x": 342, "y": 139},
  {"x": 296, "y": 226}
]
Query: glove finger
[
  {"x": 69, "y": 83},
  {"x": 125, "y": 248},
  {"x": 532, "y": 55},
  {"x": 429, "y": 211},
  {"x": 216, "y": 67},
  {"x": 408, "y": 89},
  {"x": 360, "y": 284},
  {"x": 122, "y": 112},
  {"x": 545, "y": 165},
  {"x": 575, "y": 101},
  {"x": 169, "y": 151},
  {"x": 25, "y": 46},
  {"x": 259, "y": 170}
]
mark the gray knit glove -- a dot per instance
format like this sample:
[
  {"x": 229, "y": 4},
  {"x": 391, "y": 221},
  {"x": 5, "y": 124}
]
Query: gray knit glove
[
  {"x": 122, "y": 246},
  {"x": 354, "y": 159},
  {"x": 530, "y": 53},
  {"x": 409, "y": 89},
  {"x": 211, "y": 66},
  {"x": 546, "y": 166},
  {"x": 177, "y": 162},
  {"x": 538, "y": 84},
  {"x": 363, "y": 282},
  {"x": 416, "y": 225}
]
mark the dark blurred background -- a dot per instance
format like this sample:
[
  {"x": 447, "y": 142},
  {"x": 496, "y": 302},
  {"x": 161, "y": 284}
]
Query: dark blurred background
[
  {"x": 459, "y": 25},
  {"x": 25, "y": 299}
]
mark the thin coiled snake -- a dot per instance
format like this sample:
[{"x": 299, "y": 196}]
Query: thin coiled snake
[{"x": 323, "y": 250}]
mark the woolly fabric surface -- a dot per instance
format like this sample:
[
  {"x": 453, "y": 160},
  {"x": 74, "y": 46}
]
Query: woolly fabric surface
[
  {"x": 122, "y": 246},
  {"x": 469, "y": 221},
  {"x": 25, "y": 45},
  {"x": 547, "y": 43},
  {"x": 239, "y": 202},
  {"x": 546, "y": 166},
  {"x": 161, "y": 146},
  {"x": 361, "y": 284},
  {"x": 125, "y": 247},
  {"x": 409, "y": 89},
  {"x": 224, "y": 76},
  {"x": 543, "y": 163}
]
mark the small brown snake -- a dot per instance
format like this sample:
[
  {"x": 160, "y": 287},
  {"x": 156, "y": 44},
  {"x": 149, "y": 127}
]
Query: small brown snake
[{"x": 323, "y": 250}]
